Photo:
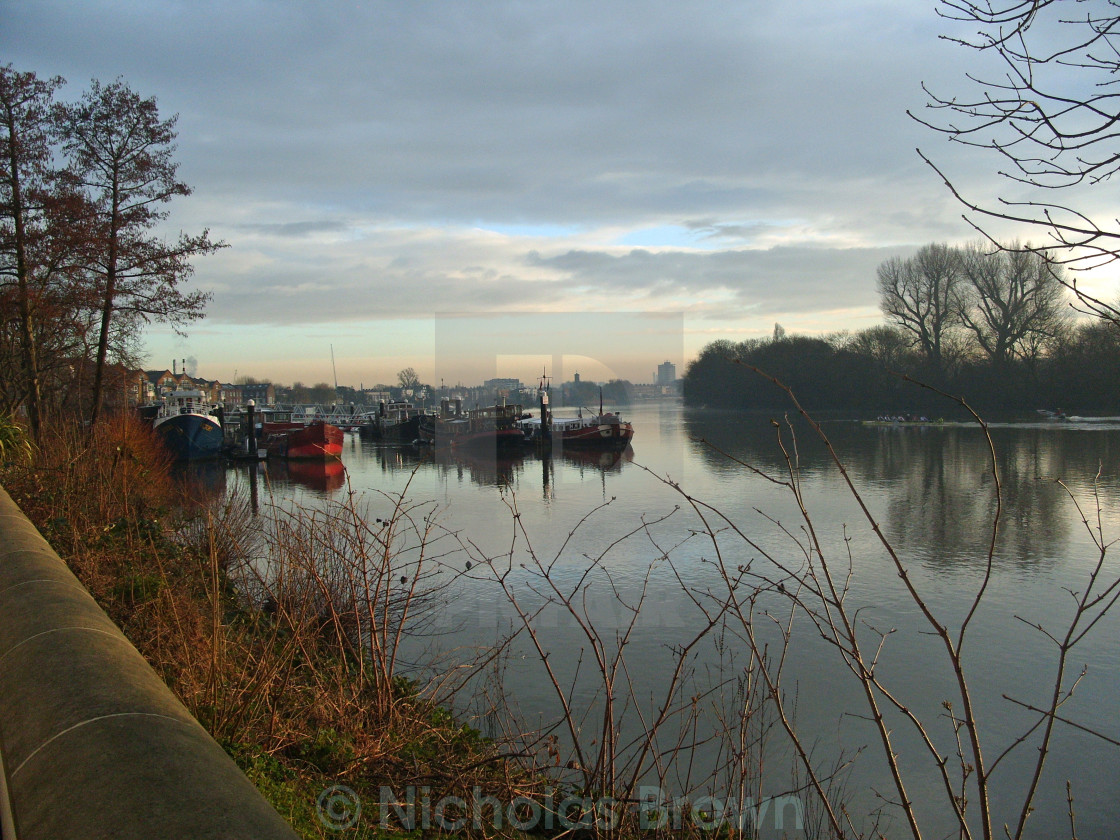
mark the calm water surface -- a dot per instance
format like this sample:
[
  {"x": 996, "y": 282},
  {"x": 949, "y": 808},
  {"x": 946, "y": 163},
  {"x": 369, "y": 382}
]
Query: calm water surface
[{"x": 932, "y": 491}]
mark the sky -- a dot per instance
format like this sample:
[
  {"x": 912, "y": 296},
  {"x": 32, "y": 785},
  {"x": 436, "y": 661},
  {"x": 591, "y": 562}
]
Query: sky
[{"x": 397, "y": 180}]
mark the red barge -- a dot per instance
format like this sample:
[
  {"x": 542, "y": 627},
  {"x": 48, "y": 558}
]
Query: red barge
[{"x": 294, "y": 440}]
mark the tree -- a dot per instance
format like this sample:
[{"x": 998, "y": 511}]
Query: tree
[
  {"x": 121, "y": 157},
  {"x": 1050, "y": 120},
  {"x": 1011, "y": 300},
  {"x": 886, "y": 346},
  {"x": 408, "y": 380},
  {"x": 25, "y": 174},
  {"x": 920, "y": 295},
  {"x": 321, "y": 393}
]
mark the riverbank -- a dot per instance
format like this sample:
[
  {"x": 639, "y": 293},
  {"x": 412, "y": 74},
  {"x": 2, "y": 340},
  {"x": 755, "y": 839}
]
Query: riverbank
[{"x": 282, "y": 683}]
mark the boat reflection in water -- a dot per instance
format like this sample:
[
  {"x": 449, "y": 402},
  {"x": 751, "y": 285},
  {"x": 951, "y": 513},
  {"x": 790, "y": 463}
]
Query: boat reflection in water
[
  {"x": 320, "y": 476},
  {"x": 200, "y": 480},
  {"x": 503, "y": 468},
  {"x": 610, "y": 460},
  {"x": 485, "y": 469}
]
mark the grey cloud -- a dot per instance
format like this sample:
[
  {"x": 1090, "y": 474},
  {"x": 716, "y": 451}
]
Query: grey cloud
[
  {"x": 562, "y": 113},
  {"x": 294, "y": 230},
  {"x": 366, "y": 293},
  {"x": 786, "y": 279},
  {"x": 710, "y": 284}
]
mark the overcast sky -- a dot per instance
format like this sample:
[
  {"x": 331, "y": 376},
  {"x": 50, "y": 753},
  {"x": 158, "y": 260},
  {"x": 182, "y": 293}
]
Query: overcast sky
[{"x": 380, "y": 169}]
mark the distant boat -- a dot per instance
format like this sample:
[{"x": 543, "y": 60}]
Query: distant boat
[
  {"x": 604, "y": 431},
  {"x": 394, "y": 422},
  {"x": 284, "y": 438},
  {"x": 491, "y": 427},
  {"x": 1058, "y": 416},
  {"x": 189, "y": 426},
  {"x": 906, "y": 423}
]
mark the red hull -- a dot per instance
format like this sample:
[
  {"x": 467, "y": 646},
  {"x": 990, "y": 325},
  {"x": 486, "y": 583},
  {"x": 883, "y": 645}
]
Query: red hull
[
  {"x": 317, "y": 440},
  {"x": 611, "y": 435},
  {"x": 599, "y": 432}
]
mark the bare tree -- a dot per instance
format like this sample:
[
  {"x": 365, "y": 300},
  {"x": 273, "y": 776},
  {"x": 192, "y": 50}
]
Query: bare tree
[
  {"x": 920, "y": 296},
  {"x": 25, "y": 149},
  {"x": 408, "y": 379},
  {"x": 121, "y": 156},
  {"x": 885, "y": 344},
  {"x": 1050, "y": 119},
  {"x": 1011, "y": 301}
]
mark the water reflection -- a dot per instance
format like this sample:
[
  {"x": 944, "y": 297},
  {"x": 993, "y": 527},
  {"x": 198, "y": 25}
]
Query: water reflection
[
  {"x": 323, "y": 477},
  {"x": 200, "y": 479},
  {"x": 481, "y": 469},
  {"x": 603, "y": 462},
  {"x": 489, "y": 469},
  {"x": 752, "y": 439},
  {"x": 936, "y": 482}
]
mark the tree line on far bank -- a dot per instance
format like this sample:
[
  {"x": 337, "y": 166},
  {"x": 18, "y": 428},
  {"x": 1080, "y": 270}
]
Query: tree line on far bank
[{"x": 994, "y": 326}]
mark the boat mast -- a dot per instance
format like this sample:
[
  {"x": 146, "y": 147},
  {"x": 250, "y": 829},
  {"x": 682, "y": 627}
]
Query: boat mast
[{"x": 334, "y": 371}]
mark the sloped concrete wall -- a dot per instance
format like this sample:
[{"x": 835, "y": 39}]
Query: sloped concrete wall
[{"x": 93, "y": 743}]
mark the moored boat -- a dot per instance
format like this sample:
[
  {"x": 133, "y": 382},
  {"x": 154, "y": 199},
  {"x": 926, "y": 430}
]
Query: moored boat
[
  {"x": 292, "y": 439},
  {"x": 490, "y": 427},
  {"x": 189, "y": 426},
  {"x": 603, "y": 431},
  {"x": 394, "y": 422}
]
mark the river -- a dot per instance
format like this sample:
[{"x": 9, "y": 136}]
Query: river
[{"x": 932, "y": 491}]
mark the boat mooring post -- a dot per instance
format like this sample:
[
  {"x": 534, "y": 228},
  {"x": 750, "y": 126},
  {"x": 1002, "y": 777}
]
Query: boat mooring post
[
  {"x": 545, "y": 442},
  {"x": 254, "y": 503},
  {"x": 252, "y": 439}
]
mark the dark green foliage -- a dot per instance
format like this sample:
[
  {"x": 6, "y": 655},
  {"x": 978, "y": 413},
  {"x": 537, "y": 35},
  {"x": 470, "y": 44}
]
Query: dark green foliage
[
  {"x": 863, "y": 375},
  {"x": 328, "y": 751}
]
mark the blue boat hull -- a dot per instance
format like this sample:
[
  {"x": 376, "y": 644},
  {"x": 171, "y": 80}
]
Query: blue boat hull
[{"x": 191, "y": 437}]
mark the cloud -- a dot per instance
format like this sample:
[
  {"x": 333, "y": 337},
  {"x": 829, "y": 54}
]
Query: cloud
[
  {"x": 392, "y": 159},
  {"x": 341, "y": 273},
  {"x": 732, "y": 283},
  {"x": 294, "y": 230},
  {"x": 556, "y": 113}
]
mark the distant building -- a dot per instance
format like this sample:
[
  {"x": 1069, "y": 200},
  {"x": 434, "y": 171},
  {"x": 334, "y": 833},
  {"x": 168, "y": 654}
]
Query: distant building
[
  {"x": 230, "y": 395},
  {"x": 666, "y": 373},
  {"x": 261, "y": 393},
  {"x": 373, "y": 396},
  {"x": 647, "y": 392},
  {"x": 507, "y": 385},
  {"x": 163, "y": 382}
]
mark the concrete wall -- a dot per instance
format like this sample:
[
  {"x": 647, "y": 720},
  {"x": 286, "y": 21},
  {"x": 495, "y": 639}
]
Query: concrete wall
[{"x": 93, "y": 743}]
